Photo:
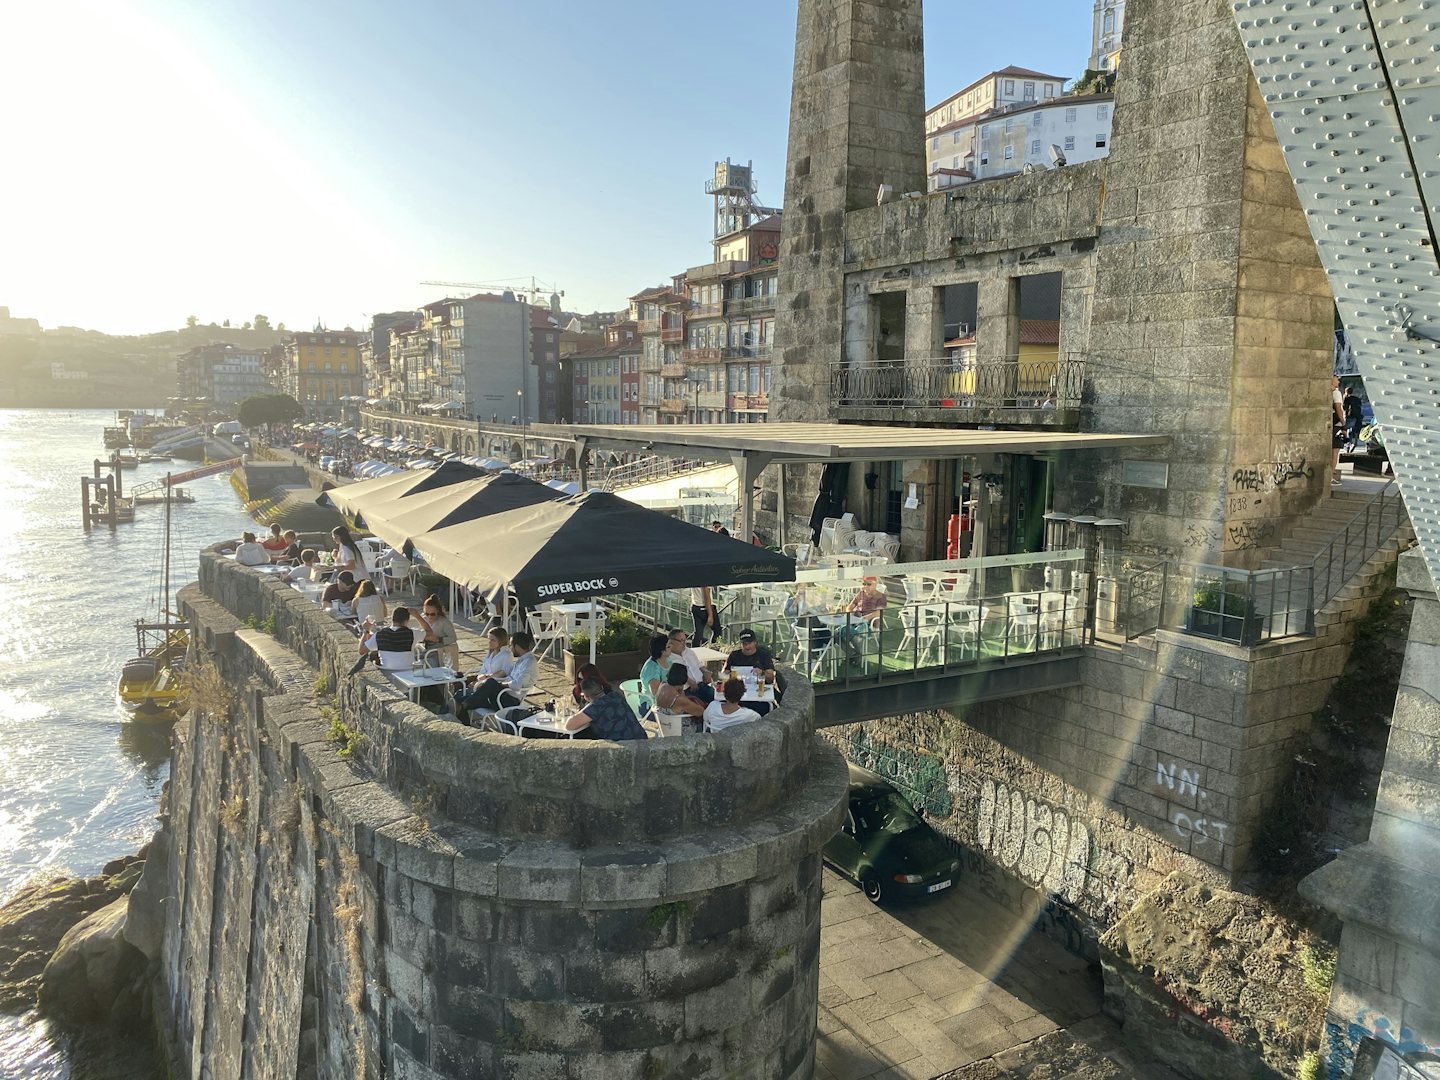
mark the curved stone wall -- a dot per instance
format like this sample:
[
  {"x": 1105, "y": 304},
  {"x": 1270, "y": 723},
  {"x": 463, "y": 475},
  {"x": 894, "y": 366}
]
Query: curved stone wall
[{"x": 516, "y": 907}]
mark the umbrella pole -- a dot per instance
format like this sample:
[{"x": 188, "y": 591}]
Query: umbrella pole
[{"x": 594, "y": 632}]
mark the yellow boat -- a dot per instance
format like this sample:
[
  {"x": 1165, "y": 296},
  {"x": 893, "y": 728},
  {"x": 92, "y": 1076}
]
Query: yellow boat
[{"x": 151, "y": 687}]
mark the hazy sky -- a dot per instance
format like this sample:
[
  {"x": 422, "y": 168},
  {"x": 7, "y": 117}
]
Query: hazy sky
[{"x": 320, "y": 159}]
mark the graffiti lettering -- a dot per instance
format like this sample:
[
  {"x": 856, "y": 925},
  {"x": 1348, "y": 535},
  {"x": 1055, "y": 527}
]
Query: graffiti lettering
[
  {"x": 1198, "y": 536},
  {"x": 1247, "y": 480},
  {"x": 1061, "y": 923},
  {"x": 1238, "y": 504},
  {"x": 1250, "y": 534},
  {"x": 1195, "y": 825},
  {"x": 921, "y": 777},
  {"x": 1284, "y": 471},
  {"x": 1039, "y": 843}
]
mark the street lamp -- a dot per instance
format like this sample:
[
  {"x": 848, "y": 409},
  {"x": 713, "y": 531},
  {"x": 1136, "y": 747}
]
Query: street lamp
[{"x": 524, "y": 424}]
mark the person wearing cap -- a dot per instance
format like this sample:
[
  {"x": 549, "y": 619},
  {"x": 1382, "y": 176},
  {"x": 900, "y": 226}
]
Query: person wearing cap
[
  {"x": 865, "y": 611},
  {"x": 678, "y": 651},
  {"x": 752, "y": 655}
]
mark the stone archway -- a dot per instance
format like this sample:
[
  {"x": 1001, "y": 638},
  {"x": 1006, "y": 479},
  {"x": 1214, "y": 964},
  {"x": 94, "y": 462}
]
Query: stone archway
[
  {"x": 455, "y": 441},
  {"x": 570, "y": 458},
  {"x": 516, "y": 453},
  {"x": 470, "y": 444}
]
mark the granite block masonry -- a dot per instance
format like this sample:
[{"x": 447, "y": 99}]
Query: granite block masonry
[{"x": 448, "y": 903}]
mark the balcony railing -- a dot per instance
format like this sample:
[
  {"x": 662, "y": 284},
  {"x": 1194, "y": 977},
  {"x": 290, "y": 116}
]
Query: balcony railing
[
  {"x": 672, "y": 334},
  {"x": 749, "y": 402},
  {"x": 701, "y": 311},
  {"x": 983, "y": 387},
  {"x": 748, "y": 352},
  {"x": 702, "y": 356},
  {"x": 672, "y": 371},
  {"x": 648, "y": 326},
  {"x": 746, "y": 305},
  {"x": 672, "y": 405}
]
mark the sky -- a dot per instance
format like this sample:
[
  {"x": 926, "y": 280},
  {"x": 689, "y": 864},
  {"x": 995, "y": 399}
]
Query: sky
[{"x": 318, "y": 161}]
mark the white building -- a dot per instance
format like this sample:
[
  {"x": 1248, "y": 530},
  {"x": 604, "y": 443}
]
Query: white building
[
  {"x": 1109, "y": 17},
  {"x": 1004, "y": 141},
  {"x": 1010, "y": 86}
]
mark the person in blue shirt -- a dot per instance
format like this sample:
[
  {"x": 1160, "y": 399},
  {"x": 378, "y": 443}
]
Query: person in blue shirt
[
  {"x": 523, "y": 673},
  {"x": 654, "y": 670},
  {"x": 607, "y": 716}
]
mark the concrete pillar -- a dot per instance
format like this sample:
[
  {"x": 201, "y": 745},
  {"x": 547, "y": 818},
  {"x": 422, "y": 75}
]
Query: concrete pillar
[
  {"x": 1387, "y": 890},
  {"x": 924, "y": 323}
]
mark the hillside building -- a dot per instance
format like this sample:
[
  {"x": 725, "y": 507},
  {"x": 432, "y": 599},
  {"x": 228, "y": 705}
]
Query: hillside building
[{"x": 321, "y": 367}]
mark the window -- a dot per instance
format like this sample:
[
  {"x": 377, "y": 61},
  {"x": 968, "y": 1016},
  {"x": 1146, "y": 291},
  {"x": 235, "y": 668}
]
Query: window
[
  {"x": 1009, "y": 124},
  {"x": 984, "y": 130},
  {"x": 311, "y": 367},
  {"x": 1102, "y": 112},
  {"x": 344, "y": 368},
  {"x": 1100, "y": 142},
  {"x": 935, "y": 143},
  {"x": 1035, "y": 148},
  {"x": 984, "y": 157},
  {"x": 1010, "y": 86},
  {"x": 549, "y": 376},
  {"x": 1049, "y": 90},
  {"x": 1069, "y": 142},
  {"x": 1109, "y": 23},
  {"x": 1009, "y": 151},
  {"x": 955, "y": 137},
  {"x": 327, "y": 364},
  {"x": 1069, "y": 116},
  {"x": 1029, "y": 91},
  {"x": 954, "y": 163}
]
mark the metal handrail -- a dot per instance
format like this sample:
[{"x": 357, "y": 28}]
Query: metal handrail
[
  {"x": 998, "y": 383},
  {"x": 1371, "y": 527}
]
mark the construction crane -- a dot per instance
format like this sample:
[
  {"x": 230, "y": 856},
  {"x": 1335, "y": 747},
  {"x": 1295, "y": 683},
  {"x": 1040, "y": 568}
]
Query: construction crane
[{"x": 537, "y": 293}]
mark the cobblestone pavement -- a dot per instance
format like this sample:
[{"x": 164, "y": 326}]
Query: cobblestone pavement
[{"x": 953, "y": 988}]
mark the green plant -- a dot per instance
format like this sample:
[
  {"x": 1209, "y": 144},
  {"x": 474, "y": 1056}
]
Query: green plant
[
  {"x": 348, "y": 740},
  {"x": 1210, "y": 594},
  {"x": 321, "y": 685},
  {"x": 251, "y": 622},
  {"x": 660, "y": 914},
  {"x": 268, "y": 625},
  {"x": 621, "y": 633},
  {"x": 1309, "y": 1067},
  {"x": 1317, "y": 965}
]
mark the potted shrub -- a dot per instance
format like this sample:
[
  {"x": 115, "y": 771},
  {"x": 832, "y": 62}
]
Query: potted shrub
[
  {"x": 1224, "y": 613},
  {"x": 620, "y": 650}
]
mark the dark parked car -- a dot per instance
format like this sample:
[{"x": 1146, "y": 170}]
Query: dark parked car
[{"x": 886, "y": 848}]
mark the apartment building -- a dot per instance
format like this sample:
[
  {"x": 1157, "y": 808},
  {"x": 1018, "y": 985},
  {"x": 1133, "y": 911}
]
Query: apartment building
[
  {"x": 221, "y": 374},
  {"x": 321, "y": 367},
  {"x": 1064, "y": 130}
]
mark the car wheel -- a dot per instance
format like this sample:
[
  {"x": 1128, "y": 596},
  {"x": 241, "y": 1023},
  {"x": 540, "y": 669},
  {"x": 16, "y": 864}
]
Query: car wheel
[{"x": 871, "y": 885}]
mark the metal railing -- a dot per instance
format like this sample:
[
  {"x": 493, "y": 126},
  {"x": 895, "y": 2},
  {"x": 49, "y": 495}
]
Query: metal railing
[
  {"x": 947, "y": 383},
  {"x": 1352, "y": 547},
  {"x": 742, "y": 305},
  {"x": 937, "y": 616},
  {"x": 651, "y": 468}
]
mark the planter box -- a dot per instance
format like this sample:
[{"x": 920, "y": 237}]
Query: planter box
[
  {"x": 1241, "y": 629},
  {"x": 617, "y": 667}
]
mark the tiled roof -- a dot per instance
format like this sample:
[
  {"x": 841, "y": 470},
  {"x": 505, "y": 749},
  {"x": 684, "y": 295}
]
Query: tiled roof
[{"x": 1039, "y": 331}]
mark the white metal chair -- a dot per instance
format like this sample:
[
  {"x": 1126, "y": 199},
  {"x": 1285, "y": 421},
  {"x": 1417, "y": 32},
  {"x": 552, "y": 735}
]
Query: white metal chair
[
  {"x": 801, "y": 553},
  {"x": 1022, "y": 623},
  {"x": 925, "y": 628},
  {"x": 887, "y": 548},
  {"x": 546, "y": 632}
]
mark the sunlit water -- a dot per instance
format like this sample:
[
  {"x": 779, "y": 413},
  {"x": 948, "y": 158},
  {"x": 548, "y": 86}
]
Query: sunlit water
[{"x": 78, "y": 784}]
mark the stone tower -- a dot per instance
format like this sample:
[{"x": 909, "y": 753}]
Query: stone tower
[{"x": 857, "y": 120}]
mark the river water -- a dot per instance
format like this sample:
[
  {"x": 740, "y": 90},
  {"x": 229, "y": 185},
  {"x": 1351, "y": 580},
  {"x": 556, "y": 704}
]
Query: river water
[{"x": 79, "y": 785}]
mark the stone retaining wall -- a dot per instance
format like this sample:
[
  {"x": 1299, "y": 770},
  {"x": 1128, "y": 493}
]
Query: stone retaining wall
[{"x": 452, "y": 903}]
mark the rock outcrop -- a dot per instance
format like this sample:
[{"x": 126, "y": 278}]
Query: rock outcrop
[
  {"x": 95, "y": 975},
  {"x": 33, "y": 922}
]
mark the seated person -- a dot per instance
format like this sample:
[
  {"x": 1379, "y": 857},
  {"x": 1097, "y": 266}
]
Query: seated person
[
  {"x": 306, "y": 568},
  {"x": 587, "y": 671},
  {"x": 292, "y": 550},
  {"x": 805, "y": 609},
  {"x": 752, "y": 655},
  {"x": 698, "y": 685},
  {"x": 395, "y": 643},
  {"x": 275, "y": 542},
  {"x": 654, "y": 670},
  {"x": 249, "y": 553},
  {"x": 524, "y": 670},
  {"x": 369, "y": 605},
  {"x": 343, "y": 588},
  {"x": 499, "y": 658},
  {"x": 677, "y": 712},
  {"x": 866, "y": 611},
  {"x": 607, "y": 715},
  {"x": 723, "y": 713}
]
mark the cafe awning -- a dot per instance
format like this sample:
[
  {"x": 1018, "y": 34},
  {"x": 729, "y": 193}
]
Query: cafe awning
[
  {"x": 352, "y": 498},
  {"x": 592, "y": 545},
  {"x": 402, "y": 518}
]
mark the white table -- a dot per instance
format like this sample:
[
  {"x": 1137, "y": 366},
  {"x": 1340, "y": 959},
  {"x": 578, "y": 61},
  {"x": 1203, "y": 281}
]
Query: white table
[
  {"x": 756, "y": 692},
  {"x": 707, "y": 655},
  {"x": 546, "y": 725},
  {"x": 416, "y": 680},
  {"x": 271, "y": 568},
  {"x": 311, "y": 590}
]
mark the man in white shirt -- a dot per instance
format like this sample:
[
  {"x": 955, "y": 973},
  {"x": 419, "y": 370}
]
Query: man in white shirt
[{"x": 679, "y": 652}]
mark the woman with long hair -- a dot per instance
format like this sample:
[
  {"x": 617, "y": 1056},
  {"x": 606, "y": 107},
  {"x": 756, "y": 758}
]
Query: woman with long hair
[
  {"x": 347, "y": 551},
  {"x": 368, "y": 604},
  {"x": 588, "y": 671}
]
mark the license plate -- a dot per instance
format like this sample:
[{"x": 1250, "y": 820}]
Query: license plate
[{"x": 938, "y": 886}]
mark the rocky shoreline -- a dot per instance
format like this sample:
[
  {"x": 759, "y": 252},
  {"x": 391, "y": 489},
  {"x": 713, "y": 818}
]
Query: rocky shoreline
[{"x": 83, "y": 952}]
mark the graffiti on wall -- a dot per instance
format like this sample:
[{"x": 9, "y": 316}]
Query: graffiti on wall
[
  {"x": 1040, "y": 844},
  {"x": 1344, "y": 1039},
  {"x": 920, "y": 777},
  {"x": 1250, "y": 534},
  {"x": 1195, "y": 825}
]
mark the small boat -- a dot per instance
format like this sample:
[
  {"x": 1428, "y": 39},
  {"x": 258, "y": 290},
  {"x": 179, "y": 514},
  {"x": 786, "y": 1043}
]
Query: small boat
[{"x": 151, "y": 687}]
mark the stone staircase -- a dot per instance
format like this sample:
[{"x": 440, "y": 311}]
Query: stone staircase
[{"x": 1347, "y": 547}]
